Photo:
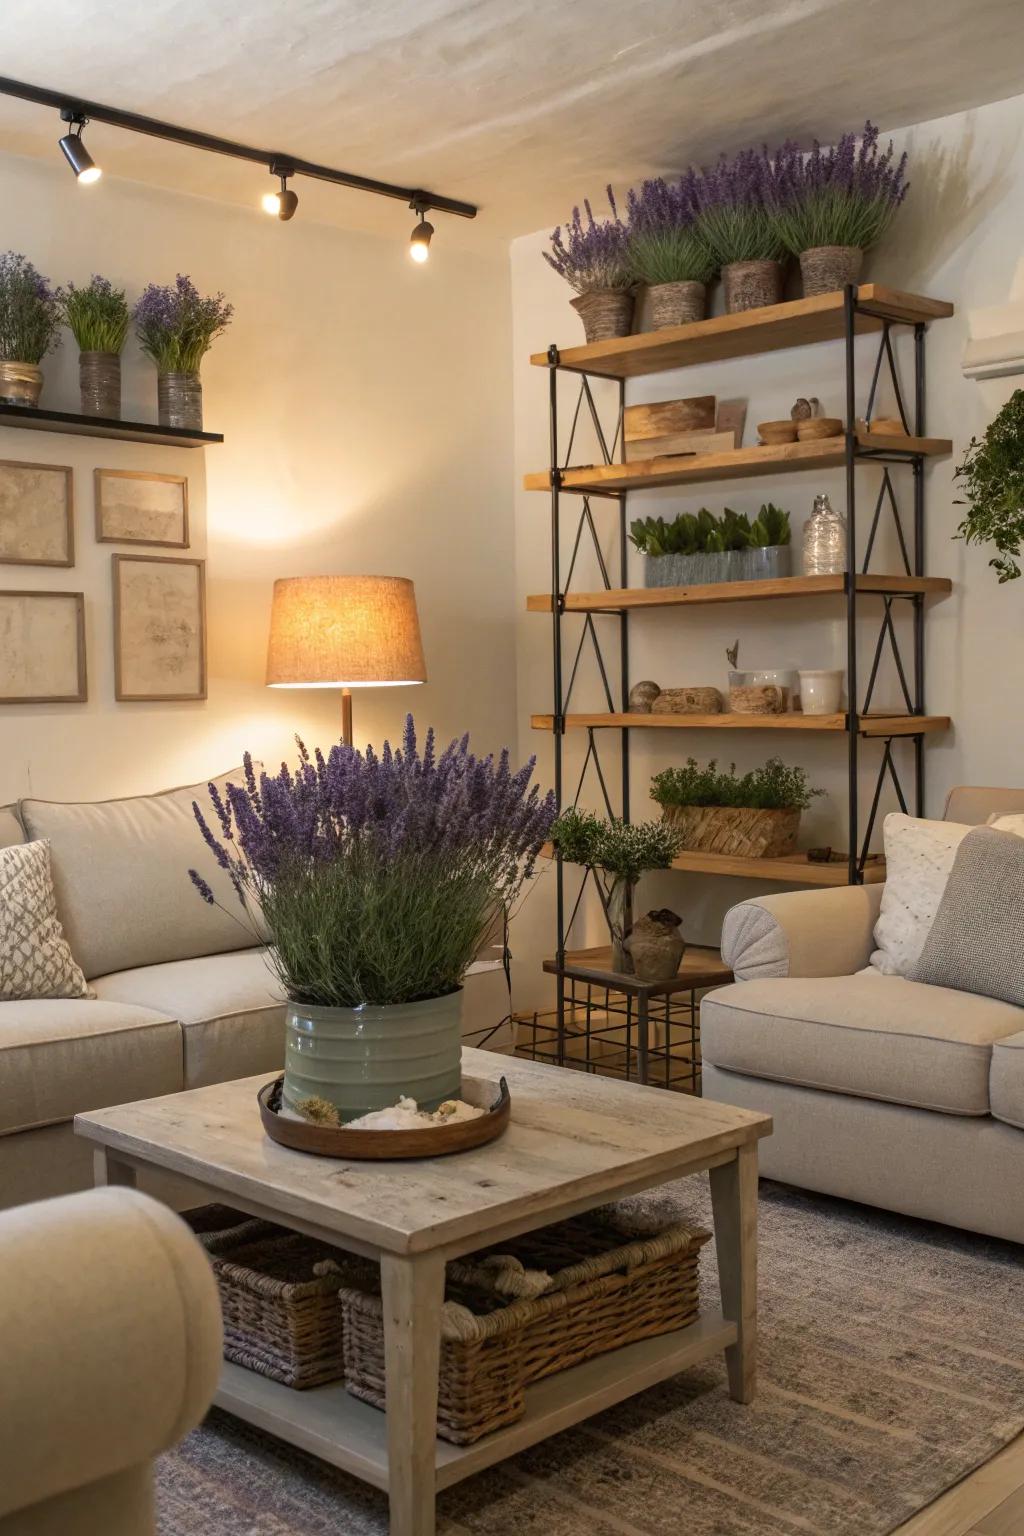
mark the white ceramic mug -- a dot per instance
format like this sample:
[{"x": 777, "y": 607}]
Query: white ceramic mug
[{"x": 821, "y": 692}]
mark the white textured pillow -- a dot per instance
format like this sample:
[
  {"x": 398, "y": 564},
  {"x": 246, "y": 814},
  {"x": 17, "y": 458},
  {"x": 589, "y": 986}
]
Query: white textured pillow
[
  {"x": 1007, "y": 823},
  {"x": 35, "y": 961}
]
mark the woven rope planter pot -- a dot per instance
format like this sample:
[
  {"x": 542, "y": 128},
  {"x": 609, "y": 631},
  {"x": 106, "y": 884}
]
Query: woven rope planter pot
[
  {"x": 751, "y": 285},
  {"x": 605, "y": 312},
  {"x": 825, "y": 268},
  {"x": 99, "y": 383},
  {"x": 677, "y": 304},
  {"x": 735, "y": 829}
]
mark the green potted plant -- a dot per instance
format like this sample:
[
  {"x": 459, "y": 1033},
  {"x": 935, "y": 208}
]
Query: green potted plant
[
  {"x": 697, "y": 549},
  {"x": 753, "y": 816},
  {"x": 378, "y": 878},
  {"x": 98, "y": 317},
  {"x": 832, "y": 205},
  {"x": 992, "y": 475},
  {"x": 176, "y": 327},
  {"x": 594, "y": 260},
  {"x": 29, "y": 325},
  {"x": 667, "y": 252},
  {"x": 768, "y": 552},
  {"x": 734, "y": 219},
  {"x": 617, "y": 853}
]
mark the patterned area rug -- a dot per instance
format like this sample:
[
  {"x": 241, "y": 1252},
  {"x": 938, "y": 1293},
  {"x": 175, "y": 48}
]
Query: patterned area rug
[{"x": 891, "y": 1365}]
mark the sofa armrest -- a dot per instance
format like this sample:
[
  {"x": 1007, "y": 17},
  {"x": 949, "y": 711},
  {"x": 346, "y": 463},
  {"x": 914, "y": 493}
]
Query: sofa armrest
[
  {"x": 110, "y": 1337},
  {"x": 802, "y": 933}
]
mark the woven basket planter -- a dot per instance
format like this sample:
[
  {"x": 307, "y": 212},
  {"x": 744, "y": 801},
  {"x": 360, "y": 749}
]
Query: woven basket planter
[
  {"x": 751, "y": 285},
  {"x": 605, "y": 312},
  {"x": 825, "y": 268},
  {"x": 605, "y": 1291},
  {"x": 735, "y": 829},
  {"x": 278, "y": 1295},
  {"x": 677, "y": 304}
]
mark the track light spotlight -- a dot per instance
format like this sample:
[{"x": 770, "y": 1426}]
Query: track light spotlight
[
  {"x": 75, "y": 152},
  {"x": 282, "y": 204},
  {"x": 419, "y": 240}
]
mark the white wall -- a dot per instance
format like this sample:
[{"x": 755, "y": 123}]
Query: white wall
[
  {"x": 958, "y": 237},
  {"x": 365, "y": 404}
]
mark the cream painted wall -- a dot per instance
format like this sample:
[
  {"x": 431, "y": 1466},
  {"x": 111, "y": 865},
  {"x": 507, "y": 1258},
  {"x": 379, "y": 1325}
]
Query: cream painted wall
[
  {"x": 365, "y": 405},
  {"x": 959, "y": 237}
]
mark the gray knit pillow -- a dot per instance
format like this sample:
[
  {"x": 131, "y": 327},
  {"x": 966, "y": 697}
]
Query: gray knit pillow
[{"x": 976, "y": 943}]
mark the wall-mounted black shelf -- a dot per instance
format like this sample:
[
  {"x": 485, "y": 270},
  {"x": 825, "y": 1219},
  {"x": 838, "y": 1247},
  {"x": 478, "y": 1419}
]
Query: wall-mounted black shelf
[{"x": 33, "y": 419}]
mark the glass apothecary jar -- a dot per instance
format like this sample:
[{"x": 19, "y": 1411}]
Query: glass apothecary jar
[{"x": 824, "y": 540}]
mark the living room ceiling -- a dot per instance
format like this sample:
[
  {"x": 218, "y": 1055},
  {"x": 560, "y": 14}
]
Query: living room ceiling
[{"x": 521, "y": 108}]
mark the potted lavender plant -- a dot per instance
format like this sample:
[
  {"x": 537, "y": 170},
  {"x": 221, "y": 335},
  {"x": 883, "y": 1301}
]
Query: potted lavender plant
[
  {"x": 667, "y": 252},
  {"x": 29, "y": 322},
  {"x": 735, "y": 220},
  {"x": 176, "y": 327},
  {"x": 832, "y": 205},
  {"x": 378, "y": 878},
  {"x": 98, "y": 317},
  {"x": 594, "y": 259}
]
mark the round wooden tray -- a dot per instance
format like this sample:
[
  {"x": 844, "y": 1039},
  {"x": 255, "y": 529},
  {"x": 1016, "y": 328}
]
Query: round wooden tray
[{"x": 432, "y": 1141}]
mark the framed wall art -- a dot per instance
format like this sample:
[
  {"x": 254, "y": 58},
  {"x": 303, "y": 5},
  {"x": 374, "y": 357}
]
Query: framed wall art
[
  {"x": 135, "y": 507},
  {"x": 159, "y": 628},
  {"x": 36, "y": 514},
  {"x": 42, "y": 648}
]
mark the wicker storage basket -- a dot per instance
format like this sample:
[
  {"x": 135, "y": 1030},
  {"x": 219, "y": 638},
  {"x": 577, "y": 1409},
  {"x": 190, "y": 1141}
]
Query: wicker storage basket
[
  {"x": 735, "y": 829},
  {"x": 605, "y": 1290},
  {"x": 278, "y": 1295}
]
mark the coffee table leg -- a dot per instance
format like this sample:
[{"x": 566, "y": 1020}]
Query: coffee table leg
[
  {"x": 413, "y": 1291},
  {"x": 734, "y": 1200},
  {"x": 107, "y": 1170}
]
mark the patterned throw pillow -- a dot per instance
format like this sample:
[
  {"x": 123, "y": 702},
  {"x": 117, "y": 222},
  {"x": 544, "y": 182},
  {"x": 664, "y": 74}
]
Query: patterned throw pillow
[{"x": 35, "y": 960}]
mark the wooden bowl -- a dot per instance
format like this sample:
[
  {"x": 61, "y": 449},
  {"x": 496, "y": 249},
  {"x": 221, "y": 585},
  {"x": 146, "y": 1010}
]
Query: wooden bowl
[
  {"x": 777, "y": 432},
  {"x": 818, "y": 427},
  {"x": 432, "y": 1141},
  {"x": 887, "y": 426}
]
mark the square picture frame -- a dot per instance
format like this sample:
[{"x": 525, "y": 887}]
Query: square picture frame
[
  {"x": 135, "y": 506},
  {"x": 159, "y": 628},
  {"x": 42, "y": 648},
  {"x": 37, "y": 514}
]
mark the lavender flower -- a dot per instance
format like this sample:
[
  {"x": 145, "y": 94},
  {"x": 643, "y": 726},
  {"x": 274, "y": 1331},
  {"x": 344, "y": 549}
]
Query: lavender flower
[
  {"x": 29, "y": 311},
  {"x": 176, "y": 326},
  {"x": 844, "y": 195},
  {"x": 592, "y": 255},
  {"x": 734, "y": 201},
  {"x": 378, "y": 876},
  {"x": 665, "y": 242}
]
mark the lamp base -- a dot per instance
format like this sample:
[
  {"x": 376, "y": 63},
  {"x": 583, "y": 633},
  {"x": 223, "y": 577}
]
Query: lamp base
[{"x": 346, "y": 716}]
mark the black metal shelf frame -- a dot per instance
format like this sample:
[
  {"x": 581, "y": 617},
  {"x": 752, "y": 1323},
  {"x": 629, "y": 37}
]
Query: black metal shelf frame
[{"x": 912, "y": 687}]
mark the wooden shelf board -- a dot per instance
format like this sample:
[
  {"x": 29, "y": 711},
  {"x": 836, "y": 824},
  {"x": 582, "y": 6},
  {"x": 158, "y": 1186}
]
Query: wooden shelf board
[
  {"x": 796, "y": 324},
  {"x": 737, "y": 464},
  {"x": 28, "y": 418},
  {"x": 350, "y": 1434},
  {"x": 870, "y": 725},
  {"x": 791, "y": 869},
  {"x": 621, "y": 599}
]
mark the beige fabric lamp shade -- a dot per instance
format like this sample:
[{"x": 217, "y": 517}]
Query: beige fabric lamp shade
[{"x": 344, "y": 632}]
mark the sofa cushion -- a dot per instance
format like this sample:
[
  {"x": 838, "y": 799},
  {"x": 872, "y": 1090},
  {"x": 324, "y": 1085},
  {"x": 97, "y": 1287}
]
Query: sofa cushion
[
  {"x": 976, "y": 942},
  {"x": 120, "y": 870},
  {"x": 35, "y": 960},
  {"x": 1006, "y": 1082},
  {"x": 60, "y": 1057},
  {"x": 881, "y": 1037},
  {"x": 11, "y": 830},
  {"x": 231, "y": 1009}
]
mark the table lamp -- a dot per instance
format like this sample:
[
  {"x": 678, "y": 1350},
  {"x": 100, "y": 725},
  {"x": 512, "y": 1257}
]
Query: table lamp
[{"x": 344, "y": 632}]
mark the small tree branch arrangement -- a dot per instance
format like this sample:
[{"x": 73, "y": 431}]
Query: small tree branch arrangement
[{"x": 992, "y": 475}]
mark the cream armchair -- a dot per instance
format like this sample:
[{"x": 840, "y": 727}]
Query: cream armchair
[{"x": 110, "y": 1348}]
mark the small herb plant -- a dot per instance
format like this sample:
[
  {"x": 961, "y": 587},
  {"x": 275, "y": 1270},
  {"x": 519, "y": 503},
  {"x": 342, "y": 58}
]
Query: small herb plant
[
  {"x": 176, "y": 326},
  {"x": 665, "y": 244},
  {"x": 29, "y": 311},
  {"x": 592, "y": 255},
  {"x": 844, "y": 195},
  {"x": 97, "y": 316},
  {"x": 623, "y": 850},
  {"x": 703, "y": 533},
  {"x": 734, "y": 203},
  {"x": 992, "y": 476},
  {"x": 772, "y": 787}
]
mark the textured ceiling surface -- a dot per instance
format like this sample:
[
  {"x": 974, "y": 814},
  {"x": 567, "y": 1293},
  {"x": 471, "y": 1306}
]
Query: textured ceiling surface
[{"x": 521, "y": 107}]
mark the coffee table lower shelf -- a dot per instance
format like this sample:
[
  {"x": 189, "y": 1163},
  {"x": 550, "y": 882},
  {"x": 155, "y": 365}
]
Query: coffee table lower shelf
[{"x": 330, "y": 1423}]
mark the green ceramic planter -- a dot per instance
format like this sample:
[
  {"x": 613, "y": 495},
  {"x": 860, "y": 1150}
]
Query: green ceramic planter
[{"x": 361, "y": 1059}]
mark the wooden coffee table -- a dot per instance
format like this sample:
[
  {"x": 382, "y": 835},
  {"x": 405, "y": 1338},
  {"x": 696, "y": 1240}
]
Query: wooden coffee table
[{"x": 574, "y": 1142}]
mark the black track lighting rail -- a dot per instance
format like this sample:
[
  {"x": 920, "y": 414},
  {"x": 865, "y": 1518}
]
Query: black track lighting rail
[{"x": 77, "y": 107}]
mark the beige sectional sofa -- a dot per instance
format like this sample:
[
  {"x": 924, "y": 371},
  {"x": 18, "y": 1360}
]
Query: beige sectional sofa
[
  {"x": 184, "y": 994},
  {"x": 882, "y": 1089}
]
